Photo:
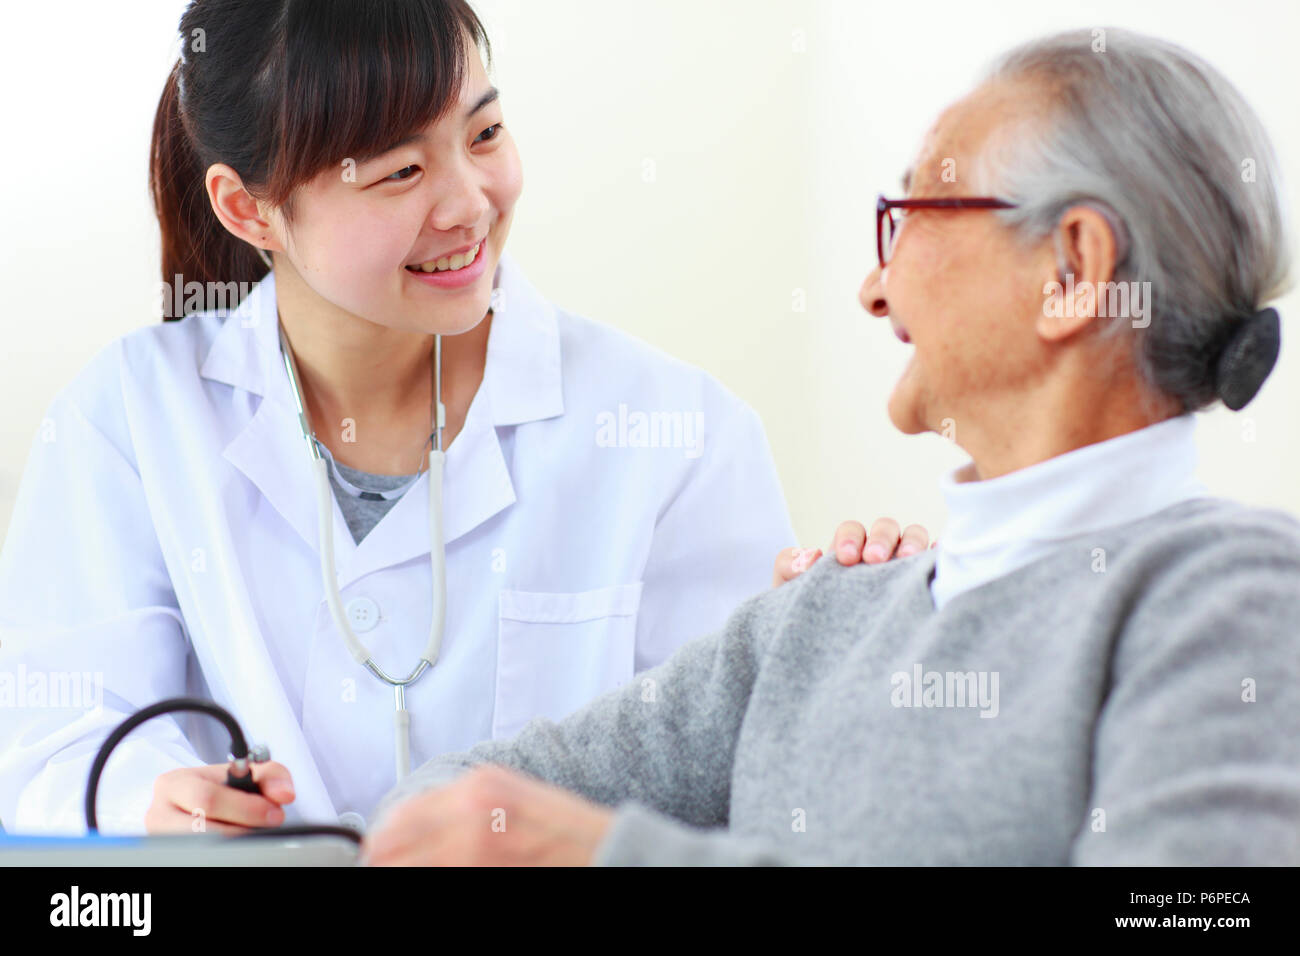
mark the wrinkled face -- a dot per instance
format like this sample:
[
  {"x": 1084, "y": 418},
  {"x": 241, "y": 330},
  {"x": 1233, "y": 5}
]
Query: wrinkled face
[
  {"x": 959, "y": 289},
  {"x": 361, "y": 234}
]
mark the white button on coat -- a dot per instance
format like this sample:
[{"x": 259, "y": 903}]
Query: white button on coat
[
  {"x": 362, "y": 613},
  {"x": 604, "y": 503},
  {"x": 350, "y": 818}
]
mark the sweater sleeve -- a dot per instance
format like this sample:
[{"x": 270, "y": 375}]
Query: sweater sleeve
[
  {"x": 665, "y": 741},
  {"x": 642, "y": 837},
  {"x": 1196, "y": 751}
]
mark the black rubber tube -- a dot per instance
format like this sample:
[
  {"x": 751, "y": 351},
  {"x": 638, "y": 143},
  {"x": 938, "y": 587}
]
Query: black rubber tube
[
  {"x": 238, "y": 750},
  {"x": 238, "y": 746}
]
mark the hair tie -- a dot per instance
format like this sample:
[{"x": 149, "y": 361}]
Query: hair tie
[{"x": 1248, "y": 358}]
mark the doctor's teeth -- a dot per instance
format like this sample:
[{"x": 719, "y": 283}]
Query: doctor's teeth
[{"x": 448, "y": 264}]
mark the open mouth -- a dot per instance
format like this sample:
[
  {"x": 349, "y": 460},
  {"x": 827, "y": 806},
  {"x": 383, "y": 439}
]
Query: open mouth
[{"x": 449, "y": 263}]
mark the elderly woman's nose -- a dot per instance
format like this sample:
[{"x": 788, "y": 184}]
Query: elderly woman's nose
[{"x": 872, "y": 294}]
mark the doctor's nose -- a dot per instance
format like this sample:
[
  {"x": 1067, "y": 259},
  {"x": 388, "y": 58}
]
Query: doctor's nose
[
  {"x": 872, "y": 294},
  {"x": 459, "y": 203}
]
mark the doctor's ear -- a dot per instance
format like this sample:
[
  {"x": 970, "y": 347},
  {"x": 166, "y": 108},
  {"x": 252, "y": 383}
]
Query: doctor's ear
[{"x": 242, "y": 215}]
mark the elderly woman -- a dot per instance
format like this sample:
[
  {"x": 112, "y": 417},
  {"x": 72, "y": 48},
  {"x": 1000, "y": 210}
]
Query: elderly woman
[{"x": 1100, "y": 663}]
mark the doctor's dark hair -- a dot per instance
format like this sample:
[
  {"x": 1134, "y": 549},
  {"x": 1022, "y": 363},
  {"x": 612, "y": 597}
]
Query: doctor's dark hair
[{"x": 281, "y": 90}]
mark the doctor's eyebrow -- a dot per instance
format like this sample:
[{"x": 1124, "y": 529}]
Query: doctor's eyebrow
[
  {"x": 907, "y": 180},
  {"x": 491, "y": 96}
]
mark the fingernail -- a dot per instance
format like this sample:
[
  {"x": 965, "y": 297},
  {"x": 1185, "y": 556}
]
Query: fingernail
[
  {"x": 275, "y": 816},
  {"x": 876, "y": 552},
  {"x": 907, "y": 550},
  {"x": 800, "y": 562},
  {"x": 847, "y": 549}
]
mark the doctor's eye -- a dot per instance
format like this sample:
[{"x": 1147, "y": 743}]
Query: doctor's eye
[
  {"x": 406, "y": 172},
  {"x": 488, "y": 134}
]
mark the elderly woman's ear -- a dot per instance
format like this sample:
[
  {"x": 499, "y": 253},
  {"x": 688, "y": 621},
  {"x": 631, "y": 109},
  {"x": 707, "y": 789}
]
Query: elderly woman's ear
[{"x": 1088, "y": 252}]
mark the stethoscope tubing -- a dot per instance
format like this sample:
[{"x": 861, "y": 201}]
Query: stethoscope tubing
[{"x": 437, "y": 554}]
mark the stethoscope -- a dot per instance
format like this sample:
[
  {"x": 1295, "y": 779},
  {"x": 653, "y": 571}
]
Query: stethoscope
[{"x": 437, "y": 549}]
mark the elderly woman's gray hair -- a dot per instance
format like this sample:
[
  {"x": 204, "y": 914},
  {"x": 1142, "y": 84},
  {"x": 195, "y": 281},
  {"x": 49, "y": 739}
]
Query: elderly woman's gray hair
[{"x": 1183, "y": 169}]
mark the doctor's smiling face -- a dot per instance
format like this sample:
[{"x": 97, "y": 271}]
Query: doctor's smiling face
[
  {"x": 410, "y": 237},
  {"x": 368, "y": 156}
]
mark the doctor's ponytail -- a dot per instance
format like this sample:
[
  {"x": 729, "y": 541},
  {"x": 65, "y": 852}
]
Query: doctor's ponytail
[
  {"x": 280, "y": 91},
  {"x": 195, "y": 246}
]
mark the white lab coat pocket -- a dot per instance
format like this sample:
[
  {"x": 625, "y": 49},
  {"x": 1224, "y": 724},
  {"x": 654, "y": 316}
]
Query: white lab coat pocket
[{"x": 557, "y": 651}]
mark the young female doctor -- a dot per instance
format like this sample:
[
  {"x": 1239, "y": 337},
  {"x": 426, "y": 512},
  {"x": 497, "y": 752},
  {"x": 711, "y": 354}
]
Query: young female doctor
[{"x": 165, "y": 539}]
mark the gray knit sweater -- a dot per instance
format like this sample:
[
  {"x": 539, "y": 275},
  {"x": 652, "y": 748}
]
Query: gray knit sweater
[{"x": 1133, "y": 698}]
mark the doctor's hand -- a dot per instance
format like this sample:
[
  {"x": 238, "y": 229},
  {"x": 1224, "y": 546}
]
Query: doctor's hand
[
  {"x": 853, "y": 544},
  {"x": 489, "y": 816},
  {"x": 197, "y": 800}
]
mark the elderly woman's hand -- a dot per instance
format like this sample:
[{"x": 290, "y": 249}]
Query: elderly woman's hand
[
  {"x": 490, "y": 816},
  {"x": 852, "y": 544}
]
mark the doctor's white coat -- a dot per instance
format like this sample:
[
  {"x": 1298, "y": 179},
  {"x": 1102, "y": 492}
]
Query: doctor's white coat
[{"x": 164, "y": 542}]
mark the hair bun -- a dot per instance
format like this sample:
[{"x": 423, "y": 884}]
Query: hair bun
[{"x": 1248, "y": 358}]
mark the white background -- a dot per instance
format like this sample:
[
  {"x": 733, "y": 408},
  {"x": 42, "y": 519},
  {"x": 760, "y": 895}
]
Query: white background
[{"x": 770, "y": 125}]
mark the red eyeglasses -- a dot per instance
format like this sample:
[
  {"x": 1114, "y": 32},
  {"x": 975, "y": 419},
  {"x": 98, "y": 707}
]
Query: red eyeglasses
[{"x": 887, "y": 229}]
